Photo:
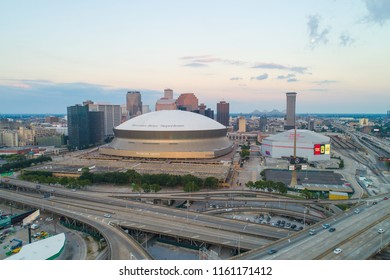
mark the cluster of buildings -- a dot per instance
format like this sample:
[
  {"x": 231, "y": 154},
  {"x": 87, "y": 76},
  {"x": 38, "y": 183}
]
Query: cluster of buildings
[
  {"x": 93, "y": 124},
  {"x": 49, "y": 132},
  {"x": 178, "y": 128}
]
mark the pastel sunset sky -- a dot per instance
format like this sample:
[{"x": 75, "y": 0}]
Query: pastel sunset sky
[{"x": 335, "y": 54}]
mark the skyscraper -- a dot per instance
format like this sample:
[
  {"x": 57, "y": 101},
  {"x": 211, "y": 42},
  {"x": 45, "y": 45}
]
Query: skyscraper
[
  {"x": 112, "y": 116},
  {"x": 241, "y": 124},
  {"x": 223, "y": 113},
  {"x": 168, "y": 93},
  {"x": 96, "y": 127},
  {"x": 187, "y": 102},
  {"x": 167, "y": 102},
  {"x": 263, "y": 123},
  {"x": 133, "y": 103},
  {"x": 290, "y": 112},
  {"x": 78, "y": 126}
]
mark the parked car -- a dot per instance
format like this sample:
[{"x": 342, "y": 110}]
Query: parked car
[
  {"x": 34, "y": 226},
  {"x": 357, "y": 211},
  {"x": 107, "y": 215}
]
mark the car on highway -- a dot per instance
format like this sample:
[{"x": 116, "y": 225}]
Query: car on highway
[
  {"x": 271, "y": 251},
  {"x": 49, "y": 219},
  {"x": 332, "y": 229},
  {"x": 73, "y": 190},
  {"x": 381, "y": 230},
  {"x": 107, "y": 215},
  {"x": 357, "y": 211},
  {"x": 337, "y": 250},
  {"x": 312, "y": 232},
  {"x": 325, "y": 225},
  {"x": 385, "y": 198}
]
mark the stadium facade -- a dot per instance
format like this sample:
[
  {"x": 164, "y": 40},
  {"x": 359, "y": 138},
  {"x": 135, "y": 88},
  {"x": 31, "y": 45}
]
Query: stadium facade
[
  {"x": 169, "y": 134},
  {"x": 309, "y": 145}
]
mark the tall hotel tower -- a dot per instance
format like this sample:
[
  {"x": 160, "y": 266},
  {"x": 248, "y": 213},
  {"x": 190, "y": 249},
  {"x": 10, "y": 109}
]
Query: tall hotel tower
[
  {"x": 290, "y": 112},
  {"x": 223, "y": 113},
  {"x": 133, "y": 103}
]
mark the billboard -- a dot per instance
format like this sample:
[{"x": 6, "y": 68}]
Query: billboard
[
  {"x": 321, "y": 149},
  {"x": 31, "y": 218}
]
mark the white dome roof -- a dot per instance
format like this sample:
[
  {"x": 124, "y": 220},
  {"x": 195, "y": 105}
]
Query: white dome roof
[
  {"x": 170, "y": 120},
  {"x": 303, "y": 136}
]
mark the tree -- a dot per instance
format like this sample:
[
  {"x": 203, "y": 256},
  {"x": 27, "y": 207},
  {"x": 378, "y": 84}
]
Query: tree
[
  {"x": 211, "y": 182},
  {"x": 262, "y": 173},
  {"x": 387, "y": 164},
  {"x": 281, "y": 187},
  {"x": 250, "y": 185},
  {"x": 341, "y": 164},
  {"x": 191, "y": 187},
  {"x": 155, "y": 188},
  {"x": 244, "y": 153},
  {"x": 306, "y": 193}
]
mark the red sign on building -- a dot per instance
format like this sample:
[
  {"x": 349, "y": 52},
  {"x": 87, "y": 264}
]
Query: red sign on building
[{"x": 317, "y": 149}]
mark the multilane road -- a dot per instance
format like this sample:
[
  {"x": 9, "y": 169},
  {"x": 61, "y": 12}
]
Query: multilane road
[{"x": 354, "y": 234}]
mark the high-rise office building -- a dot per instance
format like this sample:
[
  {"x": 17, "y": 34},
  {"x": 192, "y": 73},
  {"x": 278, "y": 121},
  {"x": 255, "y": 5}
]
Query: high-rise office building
[
  {"x": 187, "y": 102},
  {"x": 290, "y": 112},
  {"x": 168, "y": 93},
  {"x": 223, "y": 113},
  {"x": 145, "y": 109},
  {"x": 167, "y": 102},
  {"x": 78, "y": 126},
  {"x": 112, "y": 116},
  {"x": 241, "y": 124},
  {"x": 133, "y": 103},
  {"x": 263, "y": 123},
  {"x": 96, "y": 127}
]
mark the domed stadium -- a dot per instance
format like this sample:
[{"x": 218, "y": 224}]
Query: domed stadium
[{"x": 169, "y": 134}]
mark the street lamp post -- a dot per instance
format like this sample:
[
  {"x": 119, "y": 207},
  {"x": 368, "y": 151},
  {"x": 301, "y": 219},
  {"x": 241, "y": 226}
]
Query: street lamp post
[{"x": 304, "y": 217}]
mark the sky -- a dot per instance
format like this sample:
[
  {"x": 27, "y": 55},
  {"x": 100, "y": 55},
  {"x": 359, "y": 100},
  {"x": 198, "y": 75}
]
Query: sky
[{"x": 334, "y": 54}]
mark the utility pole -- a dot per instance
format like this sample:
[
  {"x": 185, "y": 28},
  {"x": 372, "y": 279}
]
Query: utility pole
[{"x": 294, "y": 181}]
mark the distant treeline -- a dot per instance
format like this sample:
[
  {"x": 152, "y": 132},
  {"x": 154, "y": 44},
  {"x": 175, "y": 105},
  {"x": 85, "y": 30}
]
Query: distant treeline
[
  {"x": 24, "y": 163},
  {"x": 146, "y": 182}
]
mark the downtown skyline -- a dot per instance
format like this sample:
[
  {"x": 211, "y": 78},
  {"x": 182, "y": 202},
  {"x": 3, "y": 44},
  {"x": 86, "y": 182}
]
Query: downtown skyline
[{"x": 248, "y": 53}]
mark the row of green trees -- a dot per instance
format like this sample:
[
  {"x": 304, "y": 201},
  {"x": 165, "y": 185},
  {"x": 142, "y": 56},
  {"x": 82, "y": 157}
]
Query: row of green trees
[
  {"x": 146, "y": 182},
  {"x": 270, "y": 186},
  {"x": 24, "y": 163}
]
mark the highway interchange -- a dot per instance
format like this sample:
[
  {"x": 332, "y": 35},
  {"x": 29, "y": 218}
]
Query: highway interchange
[{"x": 90, "y": 207}]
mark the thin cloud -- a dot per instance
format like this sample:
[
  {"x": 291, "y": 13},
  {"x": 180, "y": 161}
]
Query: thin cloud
[
  {"x": 195, "y": 65},
  {"x": 235, "y": 78},
  {"x": 289, "y": 76},
  {"x": 378, "y": 11},
  {"x": 207, "y": 59},
  {"x": 318, "y": 89},
  {"x": 297, "y": 69},
  {"x": 291, "y": 80},
  {"x": 316, "y": 35},
  {"x": 346, "y": 39},
  {"x": 261, "y": 77},
  {"x": 322, "y": 82}
]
